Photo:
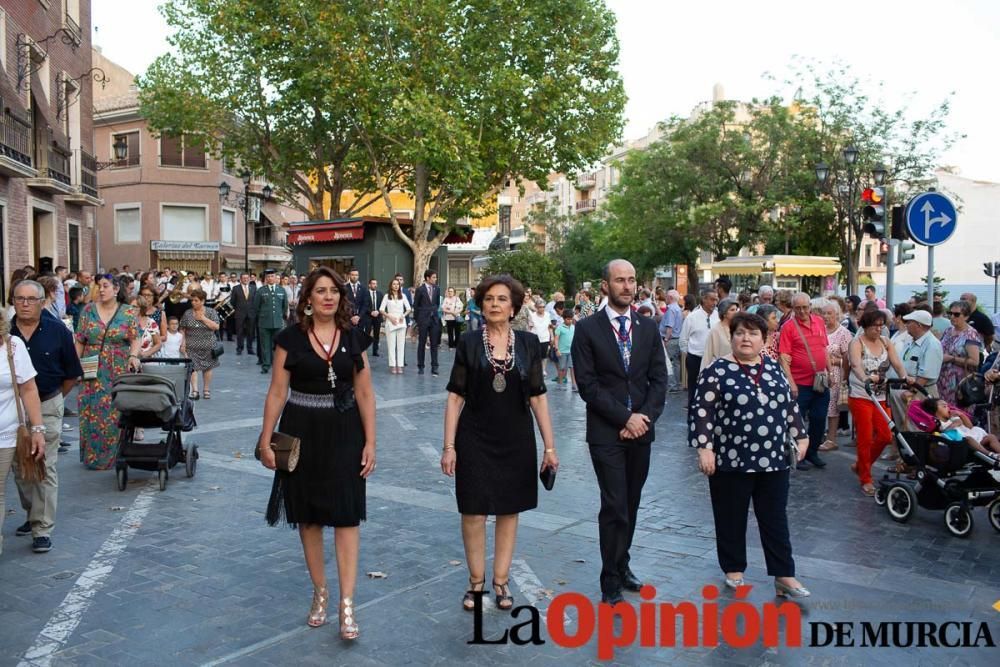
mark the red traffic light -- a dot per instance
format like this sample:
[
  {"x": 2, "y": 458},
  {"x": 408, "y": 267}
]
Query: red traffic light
[{"x": 873, "y": 195}]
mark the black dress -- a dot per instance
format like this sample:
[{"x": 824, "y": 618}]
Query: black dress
[
  {"x": 496, "y": 466},
  {"x": 326, "y": 487}
]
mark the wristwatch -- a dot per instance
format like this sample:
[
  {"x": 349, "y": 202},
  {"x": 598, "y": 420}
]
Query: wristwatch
[{"x": 39, "y": 428}]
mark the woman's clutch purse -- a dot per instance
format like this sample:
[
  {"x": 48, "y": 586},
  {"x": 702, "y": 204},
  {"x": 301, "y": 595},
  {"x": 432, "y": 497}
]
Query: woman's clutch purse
[
  {"x": 286, "y": 451},
  {"x": 548, "y": 478}
]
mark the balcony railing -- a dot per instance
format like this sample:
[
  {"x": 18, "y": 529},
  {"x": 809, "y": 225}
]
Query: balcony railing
[
  {"x": 15, "y": 139},
  {"x": 58, "y": 167},
  {"x": 586, "y": 181},
  {"x": 88, "y": 173},
  {"x": 586, "y": 205}
]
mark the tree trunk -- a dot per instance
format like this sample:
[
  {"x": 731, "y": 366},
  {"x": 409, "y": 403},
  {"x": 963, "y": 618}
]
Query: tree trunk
[{"x": 421, "y": 260}]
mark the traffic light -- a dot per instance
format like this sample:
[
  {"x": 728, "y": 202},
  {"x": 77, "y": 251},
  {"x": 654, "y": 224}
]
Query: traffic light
[
  {"x": 883, "y": 252},
  {"x": 905, "y": 252},
  {"x": 898, "y": 229},
  {"x": 873, "y": 211},
  {"x": 992, "y": 269}
]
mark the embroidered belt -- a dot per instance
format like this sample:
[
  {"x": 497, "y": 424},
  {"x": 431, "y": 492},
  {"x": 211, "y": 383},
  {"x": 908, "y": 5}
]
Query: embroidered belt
[{"x": 342, "y": 401}]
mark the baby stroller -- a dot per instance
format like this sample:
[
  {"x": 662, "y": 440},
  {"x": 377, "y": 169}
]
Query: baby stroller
[
  {"x": 155, "y": 398},
  {"x": 948, "y": 475}
]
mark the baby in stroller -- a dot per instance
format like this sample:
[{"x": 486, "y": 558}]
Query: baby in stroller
[{"x": 955, "y": 425}]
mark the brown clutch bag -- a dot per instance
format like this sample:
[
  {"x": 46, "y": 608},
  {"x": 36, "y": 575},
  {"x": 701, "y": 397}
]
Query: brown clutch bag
[{"x": 286, "y": 451}]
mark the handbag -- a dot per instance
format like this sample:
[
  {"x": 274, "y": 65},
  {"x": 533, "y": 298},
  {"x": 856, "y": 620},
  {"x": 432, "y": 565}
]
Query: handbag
[
  {"x": 92, "y": 362},
  {"x": 548, "y": 478},
  {"x": 29, "y": 468},
  {"x": 218, "y": 350},
  {"x": 821, "y": 380},
  {"x": 286, "y": 451},
  {"x": 971, "y": 390}
]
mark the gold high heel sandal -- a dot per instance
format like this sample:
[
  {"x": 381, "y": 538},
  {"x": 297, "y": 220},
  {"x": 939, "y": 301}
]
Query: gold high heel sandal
[
  {"x": 348, "y": 627},
  {"x": 317, "y": 612}
]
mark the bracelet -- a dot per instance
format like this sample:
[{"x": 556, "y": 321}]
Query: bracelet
[
  {"x": 39, "y": 428},
  {"x": 449, "y": 446},
  {"x": 550, "y": 450}
]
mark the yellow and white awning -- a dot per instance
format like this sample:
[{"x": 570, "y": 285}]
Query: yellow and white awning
[{"x": 780, "y": 265}]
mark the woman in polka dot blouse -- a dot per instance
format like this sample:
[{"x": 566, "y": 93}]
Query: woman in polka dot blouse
[{"x": 741, "y": 420}]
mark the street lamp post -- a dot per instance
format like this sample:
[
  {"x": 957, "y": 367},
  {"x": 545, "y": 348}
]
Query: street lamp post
[
  {"x": 850, "y": 157},
  {"x": 242, "y": 200},
  {"x": 850, "y": 154}
]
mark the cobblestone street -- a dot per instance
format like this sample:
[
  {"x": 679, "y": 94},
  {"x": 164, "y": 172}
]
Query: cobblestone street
[{"x": 194, "y": 576}]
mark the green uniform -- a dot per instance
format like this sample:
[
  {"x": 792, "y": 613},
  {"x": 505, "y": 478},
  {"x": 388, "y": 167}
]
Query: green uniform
[{"x": 270, "y": 305}]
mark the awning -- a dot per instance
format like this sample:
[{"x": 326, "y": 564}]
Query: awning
[
  {"x": 780, "y": 265},
  {"x": 326, "y": 233}
]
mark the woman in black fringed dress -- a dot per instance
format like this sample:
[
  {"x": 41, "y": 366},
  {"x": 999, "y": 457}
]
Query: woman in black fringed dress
[{"x": 321, "y": 388}]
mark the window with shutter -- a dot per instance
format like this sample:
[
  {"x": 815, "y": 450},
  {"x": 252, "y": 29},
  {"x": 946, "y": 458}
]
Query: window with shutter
[
  {"x": 194, "y": 156},
  {"x": 171, "y": 151}
]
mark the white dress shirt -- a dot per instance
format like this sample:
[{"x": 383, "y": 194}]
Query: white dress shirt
[{"x": 695, "y": 330}]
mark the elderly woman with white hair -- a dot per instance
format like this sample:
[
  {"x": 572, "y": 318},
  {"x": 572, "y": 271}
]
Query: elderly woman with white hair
[{"x": 837, "y": 361}]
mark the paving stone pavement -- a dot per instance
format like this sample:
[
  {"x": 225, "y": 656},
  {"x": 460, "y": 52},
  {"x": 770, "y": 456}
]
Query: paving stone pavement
[{"x": 194, "y": 576}]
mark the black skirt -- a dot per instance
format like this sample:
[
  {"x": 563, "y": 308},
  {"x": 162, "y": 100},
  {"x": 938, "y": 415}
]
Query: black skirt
[{"x": 326, "y": 487}]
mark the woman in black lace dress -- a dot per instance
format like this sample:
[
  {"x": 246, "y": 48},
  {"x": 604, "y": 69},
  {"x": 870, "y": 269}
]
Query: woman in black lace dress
[
  {"x": 331, "y": 408},
  {"x": 496, "y": 384}
]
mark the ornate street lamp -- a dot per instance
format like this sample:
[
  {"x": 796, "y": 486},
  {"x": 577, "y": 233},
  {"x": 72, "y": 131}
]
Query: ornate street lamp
[
  {"x": 822, "y": 172},
  {"x": 879, "y": 173},
  {"x": 850, "y": 155},
  {"x": 242, "y": 200}
]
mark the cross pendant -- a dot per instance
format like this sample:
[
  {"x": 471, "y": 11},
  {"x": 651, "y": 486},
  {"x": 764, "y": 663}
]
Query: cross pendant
[{"x": 331, "y": 376}]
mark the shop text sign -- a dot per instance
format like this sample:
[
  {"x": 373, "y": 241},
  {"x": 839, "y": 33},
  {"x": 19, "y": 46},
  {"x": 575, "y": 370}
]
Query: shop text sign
[{"x": 185, "y": 246}]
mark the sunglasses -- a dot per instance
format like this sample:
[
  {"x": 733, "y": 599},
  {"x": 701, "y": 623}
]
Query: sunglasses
[{"x": 954, "y": 314}]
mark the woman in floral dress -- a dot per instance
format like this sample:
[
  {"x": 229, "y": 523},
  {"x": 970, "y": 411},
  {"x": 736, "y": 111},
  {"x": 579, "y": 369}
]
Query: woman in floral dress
[
  {"x": 962, "y": 346},
  {"x": 837, "y": 360},
  {"x": 116, "y": 325}
]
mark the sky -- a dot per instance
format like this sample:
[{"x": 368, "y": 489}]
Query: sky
[{"x": 673, "y": 53}]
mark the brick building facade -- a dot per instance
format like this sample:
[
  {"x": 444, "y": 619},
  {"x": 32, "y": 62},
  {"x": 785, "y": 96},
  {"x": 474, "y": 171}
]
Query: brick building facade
[{"x": 48, "y": 184}]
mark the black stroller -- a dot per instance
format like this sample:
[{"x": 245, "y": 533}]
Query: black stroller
[
  {"x": 947, "y": 475},
  {"x": 155, "y": 398}
]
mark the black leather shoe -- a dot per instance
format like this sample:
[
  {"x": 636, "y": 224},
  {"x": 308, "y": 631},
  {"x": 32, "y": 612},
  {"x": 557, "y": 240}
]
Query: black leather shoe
[
  {"x": 612, "y": 598},
  {"x": 239, "y": 352},
  {"x": 803, "y": 465},
  {"x": 264, "y": 370},
  {"x": 816, "y": 461},
  {"x": 631, "y": 582},
  {"x": 420, "y": 371}
]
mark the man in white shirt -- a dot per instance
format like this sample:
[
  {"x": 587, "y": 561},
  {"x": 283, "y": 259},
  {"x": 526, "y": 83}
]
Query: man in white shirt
[{"x": 694, "y": 335}]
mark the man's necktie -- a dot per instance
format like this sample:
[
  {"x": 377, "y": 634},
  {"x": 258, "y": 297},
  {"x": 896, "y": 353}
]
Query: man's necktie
[{"x": 625, "y": 349}]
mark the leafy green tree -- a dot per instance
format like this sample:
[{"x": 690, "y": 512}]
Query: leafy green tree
[
  {"x": 840, "y": 110},
  {"x": 737, "y": 176},
  {"x": 271, "y": 85},
  {"x": 536, "y": 270},
  {"x": 475, "y": 93}
]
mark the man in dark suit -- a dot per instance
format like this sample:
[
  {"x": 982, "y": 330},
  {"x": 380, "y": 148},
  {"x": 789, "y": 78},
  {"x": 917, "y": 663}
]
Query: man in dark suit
[
  {"x": 622, "y": 375},
  {"x": 370, "y": 320},
  {"x": 425, "y": 311},
  {"x": 354, "y": 293},
  {"x": 243, "y": 315}
]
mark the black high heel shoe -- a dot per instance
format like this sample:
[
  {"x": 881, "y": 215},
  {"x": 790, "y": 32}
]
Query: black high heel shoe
[
  {"x": 505, "y": 600},
  {"x": 469, "y": 599}
]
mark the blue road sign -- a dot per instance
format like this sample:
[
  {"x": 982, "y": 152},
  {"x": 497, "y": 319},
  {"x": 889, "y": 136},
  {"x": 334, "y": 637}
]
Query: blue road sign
[{"x": 931, "y": 218}]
